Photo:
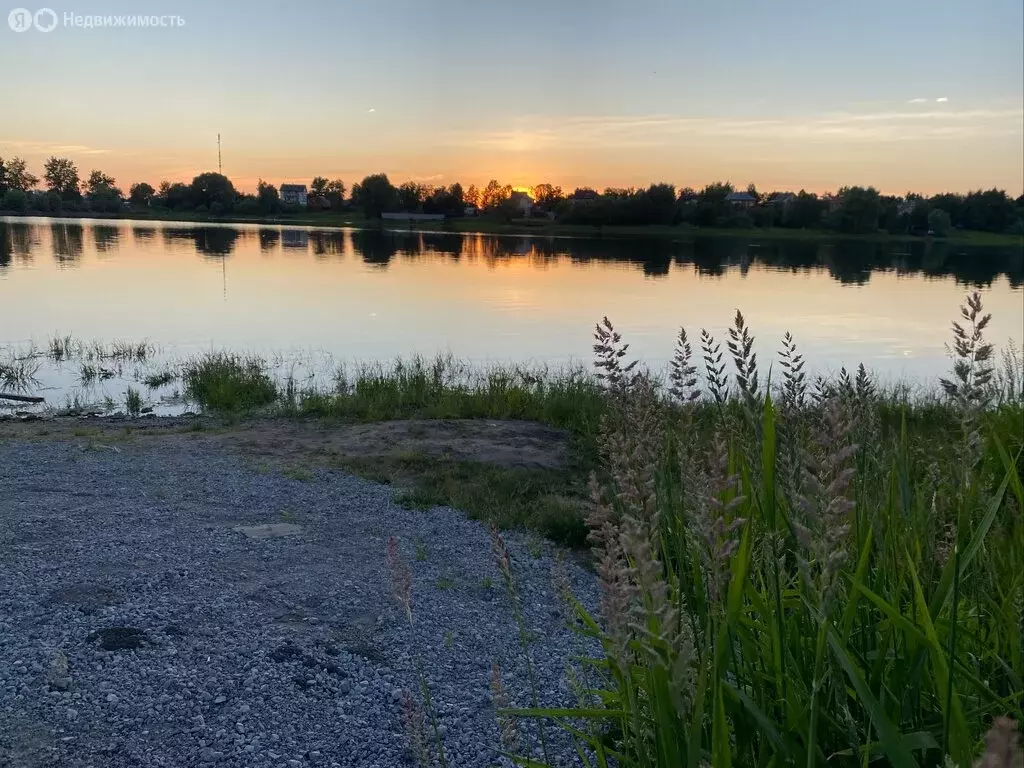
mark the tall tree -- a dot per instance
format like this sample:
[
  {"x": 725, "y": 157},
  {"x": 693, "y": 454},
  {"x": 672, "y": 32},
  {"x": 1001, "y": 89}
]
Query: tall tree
[
  {"x": 859, "y": 211},
  {"x": 98, "y": 183},
  {"x": 267, "y": 197},
  {"x": 375, "y": 195},
  {"x": 318, "y": 186},
  {"x": 141, "y": 193},
  {"x": 209, "y": 189},
  {"x": 494, "y": 194},
  {"x": 61, "y": 176},
  {"x": 547, "y": 196},
  {"x": 16, "y": 175},
  {"x": 472, "y": 196},
  {"x": 411, "y": 196}
]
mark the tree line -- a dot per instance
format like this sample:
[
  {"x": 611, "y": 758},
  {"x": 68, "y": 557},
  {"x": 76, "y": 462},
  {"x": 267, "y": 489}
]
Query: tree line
[{"x": 853, "y": 210}]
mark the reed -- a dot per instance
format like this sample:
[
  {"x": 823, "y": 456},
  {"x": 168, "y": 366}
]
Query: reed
[{"x": 802, "y": 573}]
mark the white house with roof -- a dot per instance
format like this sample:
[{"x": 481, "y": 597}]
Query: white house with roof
[{"x": 294, "y": 194}]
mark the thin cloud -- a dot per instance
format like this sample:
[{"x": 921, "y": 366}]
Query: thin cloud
[
  {"x": 942, "y": 99},
  {"x": 918, "y": 101},
  {"x": 47, "y": 147},
  {"x": 537, "y": 133},
  {"x": 371, "y": 109}
]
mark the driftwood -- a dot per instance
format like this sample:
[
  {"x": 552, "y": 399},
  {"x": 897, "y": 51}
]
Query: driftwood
[{"x": 21, "y": 398}]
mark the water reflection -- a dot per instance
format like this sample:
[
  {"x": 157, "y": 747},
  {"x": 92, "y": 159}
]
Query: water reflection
[
  {"x": 68, "y": 242},
  {"x": 269, "y": 239},
  {"x": 851, "y": 262},
  {"x": 105, "y": 237}
]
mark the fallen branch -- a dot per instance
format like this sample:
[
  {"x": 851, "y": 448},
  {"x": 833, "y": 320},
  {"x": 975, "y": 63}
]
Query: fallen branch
[{"x": 21, "y": 398}]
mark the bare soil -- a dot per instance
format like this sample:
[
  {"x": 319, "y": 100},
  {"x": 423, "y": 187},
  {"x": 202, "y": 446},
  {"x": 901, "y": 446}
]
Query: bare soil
[{"x": 506, "y": 444}]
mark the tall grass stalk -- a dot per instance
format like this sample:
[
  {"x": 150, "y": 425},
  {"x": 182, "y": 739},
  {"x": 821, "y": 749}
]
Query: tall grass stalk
[{"x": 803, "y": 573}]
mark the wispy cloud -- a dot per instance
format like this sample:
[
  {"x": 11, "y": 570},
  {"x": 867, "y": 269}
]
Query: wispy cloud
[
  {"x": 918, "y": 101},
  {"x": 371, "y": 109},
  {"x": 530, "y": 134},
  {"x": 47, "y": 147},
  {"x": 942, "y": 99}
]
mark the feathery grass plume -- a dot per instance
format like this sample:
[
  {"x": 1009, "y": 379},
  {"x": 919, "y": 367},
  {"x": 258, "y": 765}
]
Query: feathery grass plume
[
  {"x": 503, "y": 559},
  {"x": 1002, "y": 746},
  {"x": 682, "y": 372},
  {"x": 563, "y": 587},
  {"x": 713, "y": 522},
  {"x": 794, "y": 380},
  {"x": 844, "y": 384},
  {"x": 821, "y": 390},
  {"x": 415, "y": 725},
  {"x": 506, "y": 723},
  {"x": 609, "y": 351},
  {"x": 401, "y": 589},
  {"x": 972, "y": 376},
  {"x": 741, "y": 347},
  {"x": 1008, "y": 381},
  {"x": 401, "y": 577},
  {"x": 972, "y": 370},
  {"x": 718, "y": 383},
  {"x": 824, "y": 504}
]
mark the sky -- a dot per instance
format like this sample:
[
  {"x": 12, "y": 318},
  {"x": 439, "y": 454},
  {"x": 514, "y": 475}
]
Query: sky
[{"x": 900, "y": 94}]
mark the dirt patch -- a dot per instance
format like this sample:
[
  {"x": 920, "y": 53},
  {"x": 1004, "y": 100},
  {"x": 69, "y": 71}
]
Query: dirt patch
[{"x": 507, "y": 444}]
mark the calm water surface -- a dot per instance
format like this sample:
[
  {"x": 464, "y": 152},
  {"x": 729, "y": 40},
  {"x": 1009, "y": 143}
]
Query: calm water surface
[{"x": 376, "y": 295}]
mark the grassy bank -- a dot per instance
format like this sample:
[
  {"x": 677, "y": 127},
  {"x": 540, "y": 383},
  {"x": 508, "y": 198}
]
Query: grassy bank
[
  {"x": 819, "y": 572},
  {"x": 823, "y": 573},
  {"x": 545, "y": 228}
]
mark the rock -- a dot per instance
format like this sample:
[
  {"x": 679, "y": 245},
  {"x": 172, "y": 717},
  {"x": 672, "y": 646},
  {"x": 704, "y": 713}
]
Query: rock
[
  {"x": 269, "y": 530},
  {"x": 119, "y": 638},
  {"x": 112, "y": 698}
]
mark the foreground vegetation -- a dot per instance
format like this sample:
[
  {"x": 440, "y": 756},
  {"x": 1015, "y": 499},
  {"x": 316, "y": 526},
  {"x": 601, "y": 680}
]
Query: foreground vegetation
[
  {"x": 812, "y": 575},
  {"x": 794, "y": 572}
]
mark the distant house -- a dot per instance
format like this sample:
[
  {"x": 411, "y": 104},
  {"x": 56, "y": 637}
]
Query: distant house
[
  {"x": 294, "y": 194},
  {"x": 689, "y": 198},
  {"x": 522, "y": 203},
  {"x": 581, "y": 195},
  {"x": 741, "y": 199},
  {"x": 781, "y": 199},
  {"x": 834, "y": 202},
  {"x": 470, "y": 210}
]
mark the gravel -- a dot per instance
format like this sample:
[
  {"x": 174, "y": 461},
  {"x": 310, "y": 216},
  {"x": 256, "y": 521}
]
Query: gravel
[{"x": 140, "y": 627}]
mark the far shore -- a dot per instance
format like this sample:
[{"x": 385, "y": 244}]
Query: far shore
[{"x": 527, "y": 227}]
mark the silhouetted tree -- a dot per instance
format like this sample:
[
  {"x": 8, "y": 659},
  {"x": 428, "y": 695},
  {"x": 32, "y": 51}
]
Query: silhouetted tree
[
  {"x": 14, "y": 175},
  {"x": 212, "y": 189},
  {"x": 334, "y": 191},
  {"x": 375, "y": 195},
  {"x": 859, "y": 211},
  {"x": 62, "y": 177},
  {"x": 267, "y": 197},
  {"x": 141, "y": 193}
]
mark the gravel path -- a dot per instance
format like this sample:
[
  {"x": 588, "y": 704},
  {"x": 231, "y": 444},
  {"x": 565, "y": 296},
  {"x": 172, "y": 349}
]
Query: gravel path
[{"x": 138, "y": 627}]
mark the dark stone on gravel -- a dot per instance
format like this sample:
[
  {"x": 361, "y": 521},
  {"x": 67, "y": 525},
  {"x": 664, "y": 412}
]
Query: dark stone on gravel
[
  {"x": 212, "y": 648},
  {"x": 119, "y": 638}
]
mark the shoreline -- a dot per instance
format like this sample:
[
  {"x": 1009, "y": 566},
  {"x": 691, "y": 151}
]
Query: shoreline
[{"x": 524, "y": 228}]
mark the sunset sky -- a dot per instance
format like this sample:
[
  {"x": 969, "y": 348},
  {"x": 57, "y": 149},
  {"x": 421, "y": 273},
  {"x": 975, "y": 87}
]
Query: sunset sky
[{"x": 901, "y": 94}]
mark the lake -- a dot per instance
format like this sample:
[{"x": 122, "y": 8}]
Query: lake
[{"x": 348, "y": 294}]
